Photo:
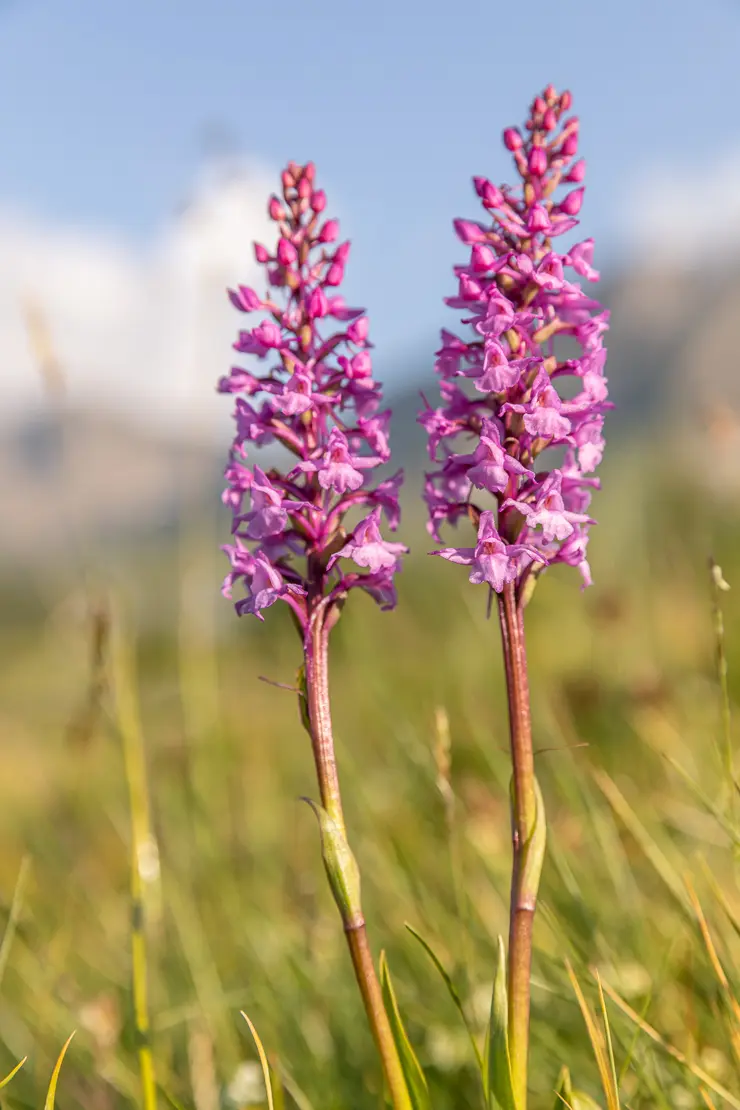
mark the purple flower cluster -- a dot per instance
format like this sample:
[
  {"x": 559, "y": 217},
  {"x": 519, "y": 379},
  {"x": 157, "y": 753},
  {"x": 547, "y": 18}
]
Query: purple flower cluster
[
  {"x": 317, "y": 401},
  {"x": 503, "y": 388}
]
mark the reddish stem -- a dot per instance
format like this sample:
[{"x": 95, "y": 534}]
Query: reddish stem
[
  {"x": 523, "y": 813},
  {"x": 316, "y": 661}
]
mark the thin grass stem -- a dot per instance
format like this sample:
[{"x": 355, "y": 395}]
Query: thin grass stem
[{"x": 143, "y": 853}]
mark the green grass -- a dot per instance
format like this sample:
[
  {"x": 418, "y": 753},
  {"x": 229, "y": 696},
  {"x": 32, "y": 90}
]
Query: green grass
[{"x": 237, "y": 912}]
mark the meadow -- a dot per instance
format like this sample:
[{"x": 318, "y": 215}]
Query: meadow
[{"x": 133, "y": 714}]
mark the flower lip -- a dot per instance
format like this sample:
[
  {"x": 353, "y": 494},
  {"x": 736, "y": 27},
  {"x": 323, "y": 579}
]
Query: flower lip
[{"x": 367, "y": 548}]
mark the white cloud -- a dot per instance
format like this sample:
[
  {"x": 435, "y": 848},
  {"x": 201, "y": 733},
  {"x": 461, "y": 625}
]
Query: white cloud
[
  {"x": 145, "y": 331},
  {"x": 685, "y": 214}
]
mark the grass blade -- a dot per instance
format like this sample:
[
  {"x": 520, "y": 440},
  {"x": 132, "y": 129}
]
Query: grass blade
[
  {"x": 452, "y": 991},
  {"x": 263, "y": 1061},
  {"x": 413, "y": 1074},
  {"x": 672, "y": 1051},
  {"x": 719, "y": 971},
  {"x": 4, "y": 1082},
  {"x": 500, "y": 1085},
  {"x": 51, "y": 1094},
  {"x": 15, "y": 911},
  {"x": 712, "y": 807},
  {"x": 599, "y": 1044},
  {"x": 655, "y": 855},
  {"x": 609, "y": 1044},
  {"x": 564, "y": 1091},
  {"x": 299, "y": 1097}
]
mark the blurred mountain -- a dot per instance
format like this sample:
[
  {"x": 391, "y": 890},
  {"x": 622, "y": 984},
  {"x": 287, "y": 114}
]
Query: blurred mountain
[{"x": 68, "y": 480}]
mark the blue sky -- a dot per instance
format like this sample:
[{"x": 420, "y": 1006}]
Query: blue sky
[{"x": 107, "y": 112}]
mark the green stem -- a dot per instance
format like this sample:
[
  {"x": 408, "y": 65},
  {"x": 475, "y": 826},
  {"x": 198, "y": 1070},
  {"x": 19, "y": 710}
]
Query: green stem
[
  {"x": 524, "y": 813},
  {"x": 346, "y": 894},
  {"x": 719, "y": 586},
  {"x": 143, "y": 849}
]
